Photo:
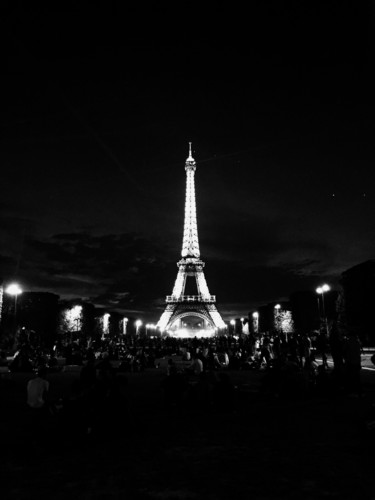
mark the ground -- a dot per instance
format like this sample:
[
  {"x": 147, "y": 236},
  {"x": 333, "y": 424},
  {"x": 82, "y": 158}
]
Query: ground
[{"x": 269, "y": 447}]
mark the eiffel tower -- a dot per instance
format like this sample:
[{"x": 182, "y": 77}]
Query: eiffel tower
[{"x": 196, "y": 312}]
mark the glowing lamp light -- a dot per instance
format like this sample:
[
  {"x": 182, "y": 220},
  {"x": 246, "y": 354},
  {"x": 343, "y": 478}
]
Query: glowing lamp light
[
  {"x": 13, "y": 289},
  {"x": 106, "y": 322},
  {"x": 138, "y": 323},
  {"x": 232, "y": 322},
  {"x": 277, "y": 307},
  {"x": 124, "y": 325},
  {"x": 73, "y": 318},
  {"x": 320, "y": 290},
  {"x": 255, "y": 315}
]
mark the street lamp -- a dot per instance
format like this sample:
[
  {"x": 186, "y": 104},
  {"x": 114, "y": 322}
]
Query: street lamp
[
  {"x": 277, "y": 308},
  {"x": 15, "y": 290},
  {"x": 320, "y": 291},
  {"x": 124, "y": 325},
  {"x": 138, "y": 324}
]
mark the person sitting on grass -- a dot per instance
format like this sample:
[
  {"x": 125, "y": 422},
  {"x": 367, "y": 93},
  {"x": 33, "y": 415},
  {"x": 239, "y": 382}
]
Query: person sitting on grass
[
  {"x": 37, "y": 391},
  {"x": 196, "y": 365}
]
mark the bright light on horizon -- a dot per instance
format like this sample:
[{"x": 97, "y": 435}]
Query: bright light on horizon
[
  {"x": 13, "y": 289},
  {"x": 189, "y": 333},
  {"x": 323, "y": 288},
  {"x": 106, "y": 323}
]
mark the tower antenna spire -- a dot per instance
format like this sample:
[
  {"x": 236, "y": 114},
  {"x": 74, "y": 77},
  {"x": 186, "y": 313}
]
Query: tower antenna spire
[{"x": 190, "y": 155}]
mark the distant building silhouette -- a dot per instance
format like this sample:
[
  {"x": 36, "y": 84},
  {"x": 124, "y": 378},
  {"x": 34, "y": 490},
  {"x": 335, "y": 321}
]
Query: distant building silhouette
[
  {"x": 358, "y": 299},
  {"x": 304, "y": 305},
  {"x": 37, "y": 311},
  {"x": 308, "y": 314}
]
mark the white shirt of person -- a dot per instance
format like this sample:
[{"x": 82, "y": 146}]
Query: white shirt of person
[{"x": 36, "y": 389}]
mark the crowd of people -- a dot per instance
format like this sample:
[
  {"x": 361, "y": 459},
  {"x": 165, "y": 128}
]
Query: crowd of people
[
  {"x": 259, "y": 352},
  {"x": 196, "y": 372}
]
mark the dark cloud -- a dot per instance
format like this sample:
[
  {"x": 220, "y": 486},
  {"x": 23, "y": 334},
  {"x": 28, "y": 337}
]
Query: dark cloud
[{"x": 110, "y": 270}]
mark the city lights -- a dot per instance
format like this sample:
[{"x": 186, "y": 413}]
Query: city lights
[
  {"x": 13, "y": 289},
  {"x": 324, "y": 288},
  {"x": 138, "y": 324},
  {"x": 106, "y": 317},
  {"x": 277, "y": 317},
  {"x": 73, "y": 319},
  {"x": 124, "y": 325},
  {"x": 321, "y": 291},
  {"x": 188, "y": 333}
]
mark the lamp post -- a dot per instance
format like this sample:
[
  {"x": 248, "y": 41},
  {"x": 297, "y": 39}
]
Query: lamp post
[
  {"x": 15, "y": 290},
  {"x": 277, "y": 308},
  {"x": 320, "y": 291},
  {"x": 138, "y": 324},
  {"x": 124, "y": 325}
]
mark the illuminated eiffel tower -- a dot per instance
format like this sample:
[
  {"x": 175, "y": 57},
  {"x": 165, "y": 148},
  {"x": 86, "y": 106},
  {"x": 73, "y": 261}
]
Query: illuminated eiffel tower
[{"x": 196, "y": 312}]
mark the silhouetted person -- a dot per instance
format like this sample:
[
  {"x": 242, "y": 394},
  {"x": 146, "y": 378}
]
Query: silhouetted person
[
  {"x": 196, "y": 365},
  {"x": 21, "y": 362},
  {"x": 352, "y": 353},
  {"x": 336, "y": 343},
  {"x": 322, "y": 347},
  {"x": 53, "y": 365},
  {"x": 305, "y": 349},
  {"x": 37, "y": 391}
]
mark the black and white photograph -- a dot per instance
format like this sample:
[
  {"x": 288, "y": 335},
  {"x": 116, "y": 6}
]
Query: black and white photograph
[{"x": 187, "y": 250}]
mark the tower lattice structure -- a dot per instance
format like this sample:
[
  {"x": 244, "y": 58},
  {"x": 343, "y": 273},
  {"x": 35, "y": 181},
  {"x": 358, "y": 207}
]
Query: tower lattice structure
[{"x": 180, "y": 305}]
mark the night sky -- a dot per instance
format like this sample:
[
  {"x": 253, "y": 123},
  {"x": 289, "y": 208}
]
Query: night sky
[{"x": 98, "y": 107}]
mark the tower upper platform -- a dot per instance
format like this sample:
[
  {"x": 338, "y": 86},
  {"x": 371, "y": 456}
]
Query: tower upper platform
[{"x": 190, "y": 162}]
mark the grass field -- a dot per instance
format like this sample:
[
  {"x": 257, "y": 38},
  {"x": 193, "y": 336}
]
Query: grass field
[{"x": 285, "y": 447}]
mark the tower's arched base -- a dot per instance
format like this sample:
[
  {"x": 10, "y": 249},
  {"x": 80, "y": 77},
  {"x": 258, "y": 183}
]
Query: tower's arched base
[{"x": 187, "y": 320}]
